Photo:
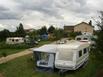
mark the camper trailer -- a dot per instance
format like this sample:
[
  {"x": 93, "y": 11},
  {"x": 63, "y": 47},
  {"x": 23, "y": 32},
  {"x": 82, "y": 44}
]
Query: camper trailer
[
  {"x": 71, "y": 56},
  {"x": 68, "y": 56},
  {"x": 15, "y": 40},
  {"x": 85, "y": 38}
]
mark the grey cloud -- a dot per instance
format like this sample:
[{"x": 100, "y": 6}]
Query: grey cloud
[
  {"x": 5, "y": 13},
  {"x": 3, "y": 8},
  {"x": 46, "y": 7},
  {"x": 9, "y": 15}
]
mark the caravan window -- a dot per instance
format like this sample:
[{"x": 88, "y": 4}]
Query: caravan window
[
  {"x": 78, "y": 39},
  {"x": 85, "y": 38},
  {"x": 65, "y": 55},
  {"x": 80, "y": 53},
  {"x": 85, "y": 50}
]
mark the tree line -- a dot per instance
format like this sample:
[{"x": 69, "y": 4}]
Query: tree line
[{"x": 20, "y": 32}]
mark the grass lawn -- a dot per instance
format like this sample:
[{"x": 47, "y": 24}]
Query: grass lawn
[
  {"x": 24, "y": 67},
  {"x": 44, "y": 42},
  {"x": 15, "y": 50},
  {"x": 9, "y": 51}
]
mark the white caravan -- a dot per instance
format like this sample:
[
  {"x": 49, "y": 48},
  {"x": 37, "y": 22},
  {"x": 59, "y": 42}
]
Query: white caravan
[
  {"x": 85, "y": 38},
  {"x": 72, "y": 56},
  {"x": 68, "y": 56}
]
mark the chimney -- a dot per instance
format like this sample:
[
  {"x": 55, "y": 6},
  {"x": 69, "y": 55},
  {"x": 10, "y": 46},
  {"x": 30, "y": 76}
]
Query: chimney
[{"x": 90, "y": 22}]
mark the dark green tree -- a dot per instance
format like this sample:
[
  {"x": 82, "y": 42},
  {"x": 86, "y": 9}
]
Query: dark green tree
[
  {"x": 43, "y": 30},
  {"x": 20, "y": 32},
  {"x": 51, "y": 29},
  {"x": 58, "y": 34},
  {"x": 99, "y": 41},
  {"x": 4, "y": 34}
]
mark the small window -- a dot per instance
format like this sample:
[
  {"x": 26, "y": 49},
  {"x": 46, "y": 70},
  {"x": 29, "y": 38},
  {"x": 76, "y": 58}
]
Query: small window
[
  {"x": 85, "y": 50},
  {"x": 17, "y": 40},
  {"x": 78, "y": 39},
  {"x": 13, "y": 40},
  {"x": 80, "y": 53},
  {"x": 85, "y": 39}
]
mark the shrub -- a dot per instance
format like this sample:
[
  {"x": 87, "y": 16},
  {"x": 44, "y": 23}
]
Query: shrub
[
  {"x": 14, "y": 46},
  {"x": 4, "y": 54}
]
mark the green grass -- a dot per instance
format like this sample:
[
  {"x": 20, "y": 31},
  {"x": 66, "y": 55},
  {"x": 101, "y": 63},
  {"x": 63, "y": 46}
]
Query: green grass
[
  {"x": 24, "y": 67},
  {"x": 21, "y": 67},
  {"x": 44, "y": 42},
  {"x": 9, "y": 51}
]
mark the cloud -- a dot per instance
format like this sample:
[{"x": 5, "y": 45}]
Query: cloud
[
  {"x": 46, "y": 12},
  {"x": 6, "y": 13}
]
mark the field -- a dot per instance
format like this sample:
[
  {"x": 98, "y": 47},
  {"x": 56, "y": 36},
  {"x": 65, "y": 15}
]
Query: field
[
  {"x": 24, "y": 67},
  {"x": 9, "y": 51},
  {"x": 17, "y": 49}
]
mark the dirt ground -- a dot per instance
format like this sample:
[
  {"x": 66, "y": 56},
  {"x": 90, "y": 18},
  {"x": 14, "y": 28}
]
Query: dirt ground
[
  {"x": 1, "y": 75},
  {"x": 16, "y": 55},
  {"x": 99, "y": 73}
]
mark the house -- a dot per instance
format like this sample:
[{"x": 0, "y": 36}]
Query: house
[
  {"x": 82, "y": 27},
  {"x": 44, "y": 36},
  {"x": 15, "y": 40},
  {"x": 29, "y": 30},
  {"x": 69, "y": 28}
]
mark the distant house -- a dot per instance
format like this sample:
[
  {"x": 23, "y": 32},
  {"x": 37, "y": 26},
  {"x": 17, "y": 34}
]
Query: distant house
[
  {"x": 29, "y": 30},
  {"x": 15, "y": 40},
  {"x": 44, "y": 36},
  {"x": 82, "y": 27},
  {"x": 69, "y": 28}
]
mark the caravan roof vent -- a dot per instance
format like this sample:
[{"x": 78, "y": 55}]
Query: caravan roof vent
[{"x": 62, "y": 42}]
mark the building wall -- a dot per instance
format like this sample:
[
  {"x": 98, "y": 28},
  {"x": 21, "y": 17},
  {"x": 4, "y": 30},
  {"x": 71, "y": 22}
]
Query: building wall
[
  {"x": 83, "y": 28},
  {"x": 14, "y": 40},
  {"x": 69, "y": 28}
]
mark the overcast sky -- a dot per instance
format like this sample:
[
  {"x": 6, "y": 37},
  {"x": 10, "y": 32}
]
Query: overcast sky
[{"x": 34, "y": 13}]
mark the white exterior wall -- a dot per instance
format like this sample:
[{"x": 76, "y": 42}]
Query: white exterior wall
[{"x": 15, "y": 40}]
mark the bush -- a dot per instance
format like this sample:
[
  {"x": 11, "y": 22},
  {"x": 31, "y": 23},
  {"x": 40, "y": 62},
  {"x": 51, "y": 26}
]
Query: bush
[
  {"x": 72, "y": 35},
  {"x": 13, "y": 46},
  {"x": 4, "y": 54}
]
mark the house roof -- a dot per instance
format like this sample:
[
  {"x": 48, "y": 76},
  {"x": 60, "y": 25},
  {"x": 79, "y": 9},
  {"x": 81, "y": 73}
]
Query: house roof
[
  {"x": 77, "y": 24},
  {"x": 68, "y": 25},
  {"x": 83, "y": 23}
]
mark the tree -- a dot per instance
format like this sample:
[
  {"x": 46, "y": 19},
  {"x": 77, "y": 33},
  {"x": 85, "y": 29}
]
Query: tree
[
  {"x": 43, "y": 30},
  {"x": 51, "y": 29},
  {"x": 58, "y": 34},
  {"x": 99, "y": 41},
  {"x": 20, "y": 32},
  {"x": 4, "y": 34}
]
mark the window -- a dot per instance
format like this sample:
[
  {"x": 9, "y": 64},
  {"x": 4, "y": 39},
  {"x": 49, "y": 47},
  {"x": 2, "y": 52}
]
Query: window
[
  {"x": 85, "y": 51},
  {"x": 17, "y": 40},
  {"x": 78, "y": 39},
  {"x": 80, "y": 53},
  {"x": 85, "y": 39},
  {"x": 13, "y": 40}
]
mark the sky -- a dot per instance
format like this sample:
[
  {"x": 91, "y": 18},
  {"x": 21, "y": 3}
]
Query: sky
[{"x": 38, "y": 13}]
